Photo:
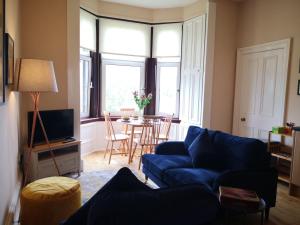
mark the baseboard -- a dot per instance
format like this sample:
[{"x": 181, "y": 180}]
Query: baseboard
[{"x": 12, "y": 215}]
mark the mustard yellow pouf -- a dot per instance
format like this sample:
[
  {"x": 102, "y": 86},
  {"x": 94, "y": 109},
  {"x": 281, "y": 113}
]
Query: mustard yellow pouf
[{"x": 49, "y": 201}]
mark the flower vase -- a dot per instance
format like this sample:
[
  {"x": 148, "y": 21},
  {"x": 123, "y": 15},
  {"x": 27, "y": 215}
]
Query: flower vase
[{"x": 141, "y": 114}]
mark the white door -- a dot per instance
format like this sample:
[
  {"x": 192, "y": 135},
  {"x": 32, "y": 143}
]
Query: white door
[
  {"x": 260, "y": 88},
  {"x": 192, "y": 71}
]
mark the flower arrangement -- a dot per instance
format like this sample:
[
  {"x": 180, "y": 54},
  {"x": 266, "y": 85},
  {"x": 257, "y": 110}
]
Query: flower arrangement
[{"x": 142, "y": 100}]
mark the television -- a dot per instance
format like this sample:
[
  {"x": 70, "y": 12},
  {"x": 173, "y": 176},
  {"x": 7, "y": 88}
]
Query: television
[{"x": 59, "y": 125}]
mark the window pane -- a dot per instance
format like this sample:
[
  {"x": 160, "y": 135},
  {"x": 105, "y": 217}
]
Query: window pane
[
  {"x": 120, "y": 82},
  {"x": 119, "y": 37},
  {"x": 168, "y": 89},
  {"x": 84, "y": 87}
]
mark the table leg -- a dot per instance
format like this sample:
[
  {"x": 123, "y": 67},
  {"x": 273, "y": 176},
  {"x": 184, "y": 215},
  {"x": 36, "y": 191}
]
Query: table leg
[
  {"x": 131, "y": 143},
  {"x": 262, "y": 217}
]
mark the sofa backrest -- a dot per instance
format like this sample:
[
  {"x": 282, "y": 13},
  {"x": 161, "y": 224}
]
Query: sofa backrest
[
  {"x": 240, "y": 152},
  {"x": 233, "y": 152}
]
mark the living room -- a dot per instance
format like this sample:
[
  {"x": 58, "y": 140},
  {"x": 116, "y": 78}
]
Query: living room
[{"x": 50, "y": 30}]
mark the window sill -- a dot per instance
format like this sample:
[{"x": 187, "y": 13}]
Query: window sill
[{"x": 113, "y": 118}]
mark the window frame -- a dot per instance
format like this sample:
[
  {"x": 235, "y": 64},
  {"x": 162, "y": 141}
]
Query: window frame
[
  {"x": 168, "y": 64},
  {"x": 87, "y": 117},
  {"x": 117, "y": 62},
  {"x": 89, "y": 60}
]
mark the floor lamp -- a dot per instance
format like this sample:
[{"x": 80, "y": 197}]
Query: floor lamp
[{"x": 36, "y": 76}]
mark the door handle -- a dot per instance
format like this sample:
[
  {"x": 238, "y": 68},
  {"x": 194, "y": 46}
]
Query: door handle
[{"x": 243, "y": 119}]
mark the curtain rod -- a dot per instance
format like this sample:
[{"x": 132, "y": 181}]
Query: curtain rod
[{"x": 127, "y": 20}]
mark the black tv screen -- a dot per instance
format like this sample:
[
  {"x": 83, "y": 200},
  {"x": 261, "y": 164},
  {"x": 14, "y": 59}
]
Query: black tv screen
[{"x": 59, "y": 125}]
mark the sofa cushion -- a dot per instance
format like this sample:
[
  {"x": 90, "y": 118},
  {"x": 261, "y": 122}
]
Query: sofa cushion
[
  {"x": 191, "y": 135},
  {"x": 157, "y": 164},
  {"x": 203, "y": 152},
  {"x": 174, "y": 177},
  {"x": 240, "y": 153}
]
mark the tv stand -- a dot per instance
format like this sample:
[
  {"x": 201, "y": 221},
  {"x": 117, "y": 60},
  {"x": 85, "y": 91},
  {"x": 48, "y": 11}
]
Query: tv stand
[
  {"x": 67, "y": 140},
  {"x": 67, "y": 155}
]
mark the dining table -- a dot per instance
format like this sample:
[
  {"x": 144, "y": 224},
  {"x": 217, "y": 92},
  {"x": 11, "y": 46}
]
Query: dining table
[{"x": 131, "y": 125}]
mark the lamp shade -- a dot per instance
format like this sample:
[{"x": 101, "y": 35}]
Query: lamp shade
[{"x": 35, "y": 75}]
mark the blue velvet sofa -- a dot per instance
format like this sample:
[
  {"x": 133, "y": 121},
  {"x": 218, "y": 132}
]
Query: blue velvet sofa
[
  {"x": 223, "y": 159},
  {"x": 125, "y": 200}
]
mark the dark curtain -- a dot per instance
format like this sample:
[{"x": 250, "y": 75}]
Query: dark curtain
[
  {"x": 95, "y": 99},
  {"x": 150, "y": 75}
]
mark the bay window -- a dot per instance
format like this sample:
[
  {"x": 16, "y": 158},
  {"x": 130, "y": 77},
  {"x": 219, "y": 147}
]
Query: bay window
[
  {"x": 167, "y": 50},
  {"x": 124, "y": 47},
  {"x": 87, "y": 44},
  {"x": 167, "y": 88},
  {"x": 127, "y": 57},
  {"x": 120, "y": 79},
  {"x": 85, "y": 85}
]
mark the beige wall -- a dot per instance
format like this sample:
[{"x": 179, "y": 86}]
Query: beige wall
[
  {"x": 73, "y": 17},
  {"x": 224, "y": 65},
  {"x": 263, "y": 21},
  {"x": 167, "y": 15},
  {"x": 44, "y": 36},
  {"x": 196, "y": 9},
  {"x": 9, "y": 123},
  {"x": 144, "y": 14}
]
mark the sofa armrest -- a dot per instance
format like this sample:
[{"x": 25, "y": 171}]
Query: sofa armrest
[
  {"x": 262, "y": 181},
  {"x": 171, "y": 148}
]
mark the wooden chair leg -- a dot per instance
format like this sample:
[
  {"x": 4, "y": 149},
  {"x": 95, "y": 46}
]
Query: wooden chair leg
[
  {"x": 127, "y": 146},
  {"x": 133, "y": 152},
  {"x": 124, "y": 147},
  {"x": 140, "y": 162},
  {"x": 111, "y": 151},
  {"x": 120, "y": 149},
  {"x": 106, "y": 149}
]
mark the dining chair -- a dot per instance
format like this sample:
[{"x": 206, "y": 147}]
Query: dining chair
[
  {"x": 148, "y": 138},
  {"x": 165, "y": 128},
  {"x": 112, "y": 137}
]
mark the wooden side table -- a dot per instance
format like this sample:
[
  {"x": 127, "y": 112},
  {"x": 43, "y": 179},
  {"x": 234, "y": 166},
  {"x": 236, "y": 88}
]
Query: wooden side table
[
  {"x": 236, "y": 201},
  {"x": 229, "y": 211}
]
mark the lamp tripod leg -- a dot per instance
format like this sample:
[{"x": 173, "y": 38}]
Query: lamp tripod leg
[
  {"x": 48, "y": 143},
  {"x": 35, "y": 97},
  {"x": 30, "y": 148}
]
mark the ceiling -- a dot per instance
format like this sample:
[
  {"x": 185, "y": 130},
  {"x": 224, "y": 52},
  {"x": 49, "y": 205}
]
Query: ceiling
[{"x": 154, "y": 4}]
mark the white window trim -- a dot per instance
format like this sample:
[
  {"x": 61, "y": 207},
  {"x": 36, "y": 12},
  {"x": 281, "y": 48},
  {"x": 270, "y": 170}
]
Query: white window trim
[
  {"x": 87, "y": 58},
  {"x": 168, "y": 64},
  {"x": 106, "y": 62}
]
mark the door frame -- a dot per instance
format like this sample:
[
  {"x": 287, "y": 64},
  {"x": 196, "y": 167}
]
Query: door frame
[{"x": 275, "y": 45}]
